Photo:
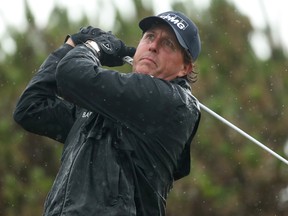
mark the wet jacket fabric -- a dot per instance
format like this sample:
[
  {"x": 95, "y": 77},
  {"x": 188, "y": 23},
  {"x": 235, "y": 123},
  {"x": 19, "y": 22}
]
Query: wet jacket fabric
[{"x": 126, "y": 136}]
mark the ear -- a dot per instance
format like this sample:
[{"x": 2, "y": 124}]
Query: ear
[{"x": 186, "y": 69}]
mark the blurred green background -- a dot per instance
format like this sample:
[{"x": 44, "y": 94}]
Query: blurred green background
[{"x": 229, "y": 175}]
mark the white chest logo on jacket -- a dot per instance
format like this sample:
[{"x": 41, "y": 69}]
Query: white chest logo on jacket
[{"x": 86, "y": 114}]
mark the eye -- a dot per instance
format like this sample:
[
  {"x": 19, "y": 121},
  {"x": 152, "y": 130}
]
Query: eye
[
  {"x": 149, "y": 36},
  {"x": 168, "y": 43}
]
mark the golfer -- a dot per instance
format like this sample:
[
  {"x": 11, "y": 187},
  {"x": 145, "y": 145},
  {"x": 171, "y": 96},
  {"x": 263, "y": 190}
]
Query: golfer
[{"x": 126, "y": 136}]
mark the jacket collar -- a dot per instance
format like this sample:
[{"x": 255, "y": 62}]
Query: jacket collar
[{"x": 182, "y": 82}]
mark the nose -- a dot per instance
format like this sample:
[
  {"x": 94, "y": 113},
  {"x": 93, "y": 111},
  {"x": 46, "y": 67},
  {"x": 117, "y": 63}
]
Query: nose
[{"x": 154, "y": 45}]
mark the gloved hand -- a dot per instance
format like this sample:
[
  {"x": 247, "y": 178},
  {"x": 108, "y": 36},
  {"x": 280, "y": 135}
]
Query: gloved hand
[
  {"x": 111, "y": 49},
  {"x": 84, "y": 34}
]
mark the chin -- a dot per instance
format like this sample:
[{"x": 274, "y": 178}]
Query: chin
[{"x": 143, "y": 69}]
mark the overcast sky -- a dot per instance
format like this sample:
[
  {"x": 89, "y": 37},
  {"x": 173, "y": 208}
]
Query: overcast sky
[{"x": 259, "y": 11}]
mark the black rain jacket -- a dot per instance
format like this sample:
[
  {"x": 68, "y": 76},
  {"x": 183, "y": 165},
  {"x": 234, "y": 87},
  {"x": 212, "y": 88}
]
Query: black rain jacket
[{"x": 126, "y": 136}]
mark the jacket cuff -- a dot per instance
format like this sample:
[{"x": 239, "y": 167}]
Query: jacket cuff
[{"x": 62, "y": 50}]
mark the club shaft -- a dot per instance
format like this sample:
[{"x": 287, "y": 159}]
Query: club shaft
[
  {"x": 129, "y": 60},
  {"x": 203, "y": 107}
]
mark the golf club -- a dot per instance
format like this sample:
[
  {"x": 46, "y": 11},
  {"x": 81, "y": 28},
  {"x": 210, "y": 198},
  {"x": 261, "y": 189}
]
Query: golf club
[{"x": 129, "y": 60}]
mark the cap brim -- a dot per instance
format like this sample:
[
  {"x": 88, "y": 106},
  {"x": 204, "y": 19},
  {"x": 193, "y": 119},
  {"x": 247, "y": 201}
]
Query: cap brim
[{"x": 147, "y": 23}]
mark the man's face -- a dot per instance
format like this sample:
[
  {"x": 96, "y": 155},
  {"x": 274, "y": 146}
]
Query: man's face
[{"x": 159, "y": 54}]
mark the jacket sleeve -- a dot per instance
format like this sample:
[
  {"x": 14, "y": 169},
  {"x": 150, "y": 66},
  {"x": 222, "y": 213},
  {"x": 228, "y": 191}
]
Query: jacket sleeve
[
  {"x": 39, "y": 109},
  {"x": 128, "y": 98}
]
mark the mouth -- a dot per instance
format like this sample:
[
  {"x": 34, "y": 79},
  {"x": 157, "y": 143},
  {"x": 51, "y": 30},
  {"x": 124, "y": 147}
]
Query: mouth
[{"x": 148, "y": 59}]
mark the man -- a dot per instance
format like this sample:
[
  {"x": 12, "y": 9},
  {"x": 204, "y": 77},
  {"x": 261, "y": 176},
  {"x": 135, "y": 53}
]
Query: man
[{"x": 126, "y": 136}]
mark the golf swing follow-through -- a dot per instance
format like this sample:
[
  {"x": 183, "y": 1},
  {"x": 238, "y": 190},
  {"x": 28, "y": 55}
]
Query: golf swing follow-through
[{"x": 126, "y": 136}]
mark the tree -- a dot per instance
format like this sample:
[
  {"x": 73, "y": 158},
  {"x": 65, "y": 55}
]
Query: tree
[{"x": 229, "y": 175}]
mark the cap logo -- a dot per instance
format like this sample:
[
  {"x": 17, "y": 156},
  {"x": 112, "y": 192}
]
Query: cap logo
[{"x": 176, "y": 20}]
